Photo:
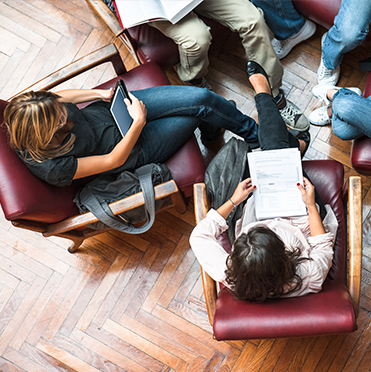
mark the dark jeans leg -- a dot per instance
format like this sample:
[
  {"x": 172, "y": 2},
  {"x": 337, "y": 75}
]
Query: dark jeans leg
[
  {"x": 273, "y": 133},
  {"x": 272, "y": 129}
]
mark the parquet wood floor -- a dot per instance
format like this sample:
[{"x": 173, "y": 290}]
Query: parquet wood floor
[{"x": 135, "y": 303}]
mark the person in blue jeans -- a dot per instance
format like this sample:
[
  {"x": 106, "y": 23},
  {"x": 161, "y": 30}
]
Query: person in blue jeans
[
  {"x": 59, "y": 142},
  {"x": 348, "y": 112},
  {"x": 287, "y": 24},
  {"x": 350, "y": 28}
]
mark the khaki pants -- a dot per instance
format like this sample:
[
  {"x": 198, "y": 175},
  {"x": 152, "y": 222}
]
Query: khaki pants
[{"x": 193, "y": 38}]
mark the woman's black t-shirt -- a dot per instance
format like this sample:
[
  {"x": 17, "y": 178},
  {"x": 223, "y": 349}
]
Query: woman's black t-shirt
[{"x": 96, "y": 134}]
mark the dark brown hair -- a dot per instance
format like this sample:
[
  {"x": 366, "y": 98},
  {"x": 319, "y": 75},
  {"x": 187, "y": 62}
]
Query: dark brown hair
[{"x": 260, "y": 266}]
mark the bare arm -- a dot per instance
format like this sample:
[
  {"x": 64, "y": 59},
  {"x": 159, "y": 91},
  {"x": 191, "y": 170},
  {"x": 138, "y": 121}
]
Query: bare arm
[
  {"x": 242, "y": 191},
  {"x": 308, "y": 195},
  {"x": 91, "y": 165},
  {"x": 84, "y": 95}
]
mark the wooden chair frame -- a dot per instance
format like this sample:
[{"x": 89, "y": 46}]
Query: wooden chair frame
[
  {"x": 114, "y": 25},
  {"x": 72, "y": 227},
  {"x": 354, "y": 194}
]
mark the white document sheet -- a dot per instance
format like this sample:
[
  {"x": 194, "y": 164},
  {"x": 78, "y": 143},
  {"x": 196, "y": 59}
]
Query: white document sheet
[
  {"x": 276, "y": 174},
  {"x": 134, "y": 12}
]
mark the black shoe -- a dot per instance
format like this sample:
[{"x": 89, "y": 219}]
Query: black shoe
[
  {"x": 304, "y": 136},
  {"x": 252, "y": 68}
]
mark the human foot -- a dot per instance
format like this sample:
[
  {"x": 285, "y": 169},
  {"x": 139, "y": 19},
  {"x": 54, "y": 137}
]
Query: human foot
[{"x": 258, "y": 78}]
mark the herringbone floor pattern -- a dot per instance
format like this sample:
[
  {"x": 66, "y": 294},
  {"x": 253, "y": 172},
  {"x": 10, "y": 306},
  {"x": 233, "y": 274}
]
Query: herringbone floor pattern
[{"x": 135, "y": 303}]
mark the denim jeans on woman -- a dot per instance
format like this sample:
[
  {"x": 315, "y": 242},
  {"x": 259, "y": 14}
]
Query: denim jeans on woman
[
  {"x": 351, "y": 115},
  {"x": 174, "y": 112},
  {"x": 349, "y": 30},
  {"x": 281, "y": 17}
]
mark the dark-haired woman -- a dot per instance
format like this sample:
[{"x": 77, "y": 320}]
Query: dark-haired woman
[{"x": 273, "y": 258}]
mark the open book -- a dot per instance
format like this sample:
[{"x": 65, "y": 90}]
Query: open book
[
  {"x": 276, "y": 174},
  {"x": 135, "y": 12}
]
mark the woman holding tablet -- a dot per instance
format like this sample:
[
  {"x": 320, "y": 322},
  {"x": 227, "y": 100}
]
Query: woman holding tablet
[{"x": 59, "y": 142}]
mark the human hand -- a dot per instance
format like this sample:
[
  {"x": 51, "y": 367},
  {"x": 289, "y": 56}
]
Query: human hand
[
  {"x": 307, "y": 193},
  {"x": 243, "y": 190},
  {"x": 137, "y": 110},
  {"x": 107, "y": 94}
]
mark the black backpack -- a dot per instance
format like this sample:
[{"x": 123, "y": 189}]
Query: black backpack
[{"x": 107, "y": 188}]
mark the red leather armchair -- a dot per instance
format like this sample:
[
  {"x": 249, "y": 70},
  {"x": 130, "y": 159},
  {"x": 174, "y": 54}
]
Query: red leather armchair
[
  {"x": 31, "y": 203},
  {"x": 333, "y": 310}
]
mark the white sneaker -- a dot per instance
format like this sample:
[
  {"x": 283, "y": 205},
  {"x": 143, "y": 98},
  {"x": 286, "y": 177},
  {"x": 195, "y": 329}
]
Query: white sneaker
[
  {"x": 283, "y": 47},
  {"x": 325, "y": 76},
  {"x": 320, "y": 91},
  {"x": 320, "y": 116}
]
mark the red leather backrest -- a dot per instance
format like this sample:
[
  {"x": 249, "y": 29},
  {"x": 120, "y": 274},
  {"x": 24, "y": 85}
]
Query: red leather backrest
[
  {"x": 22, "y": 195},
  {"x": 322, "y": 12}
]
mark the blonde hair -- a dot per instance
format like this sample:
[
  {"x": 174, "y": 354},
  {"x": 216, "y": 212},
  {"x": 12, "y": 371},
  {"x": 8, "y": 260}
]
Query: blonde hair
[{"x": 32, "y": 120}]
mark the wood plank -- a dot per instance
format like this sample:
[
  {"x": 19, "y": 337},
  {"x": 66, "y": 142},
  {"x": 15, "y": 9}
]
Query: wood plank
[
  {"x": 148, "y": 343},
  {"x": 101, "y": 292},
  {"x": 64, "y": 358},
  {"x": 107, "y": 352},
  {"x": 166, "y": 274},
  {"x": 18, "y": 317},
  {"x": 123, "y": 347}
]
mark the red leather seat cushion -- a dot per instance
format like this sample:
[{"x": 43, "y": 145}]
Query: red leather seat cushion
[
  {"x": 24, "y": 196},
  {"x": 330, "y": 311}
]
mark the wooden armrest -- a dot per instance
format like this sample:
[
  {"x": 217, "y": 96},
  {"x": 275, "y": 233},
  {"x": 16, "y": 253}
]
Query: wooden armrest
[
  {"x": 114, "y": 25},
  {"x": 108, "y": 53},
  {"x": 120, "y": 206},
  {"x": 355, "y": 239},
  {"x": 108, "y": 17},
  {"x": 209, "y": 285}
]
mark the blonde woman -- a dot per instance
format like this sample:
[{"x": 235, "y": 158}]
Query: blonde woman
[{"x": 60, "y": 143}]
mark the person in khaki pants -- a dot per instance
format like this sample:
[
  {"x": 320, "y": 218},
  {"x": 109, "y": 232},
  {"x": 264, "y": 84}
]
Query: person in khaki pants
[{"x": 193, "y": 39}]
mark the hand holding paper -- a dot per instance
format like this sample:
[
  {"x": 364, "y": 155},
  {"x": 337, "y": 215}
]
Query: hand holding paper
[
  {"x": 307, "y": 193},
  {"x": 243, "y": 190}
]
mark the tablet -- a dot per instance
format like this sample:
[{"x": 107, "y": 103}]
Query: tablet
[{"x": 119, "y": 110}]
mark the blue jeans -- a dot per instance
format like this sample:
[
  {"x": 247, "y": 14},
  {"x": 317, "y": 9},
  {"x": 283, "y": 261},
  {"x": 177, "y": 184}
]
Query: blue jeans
[
  {"x": 281, "y": 17},
  {"x": 351, "y": 115},
  {"x": 174, "y": 112},
  {"x": 349, "y": 30}
]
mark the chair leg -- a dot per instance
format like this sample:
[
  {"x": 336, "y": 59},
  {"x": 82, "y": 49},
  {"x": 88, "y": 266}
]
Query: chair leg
[
  {"x": 179, "y": 202},
  {"x": 75, "y": 245}
]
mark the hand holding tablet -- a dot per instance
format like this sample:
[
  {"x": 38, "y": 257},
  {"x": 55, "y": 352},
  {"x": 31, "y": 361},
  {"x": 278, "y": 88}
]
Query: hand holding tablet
[{"x": 119, "y": 110}]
